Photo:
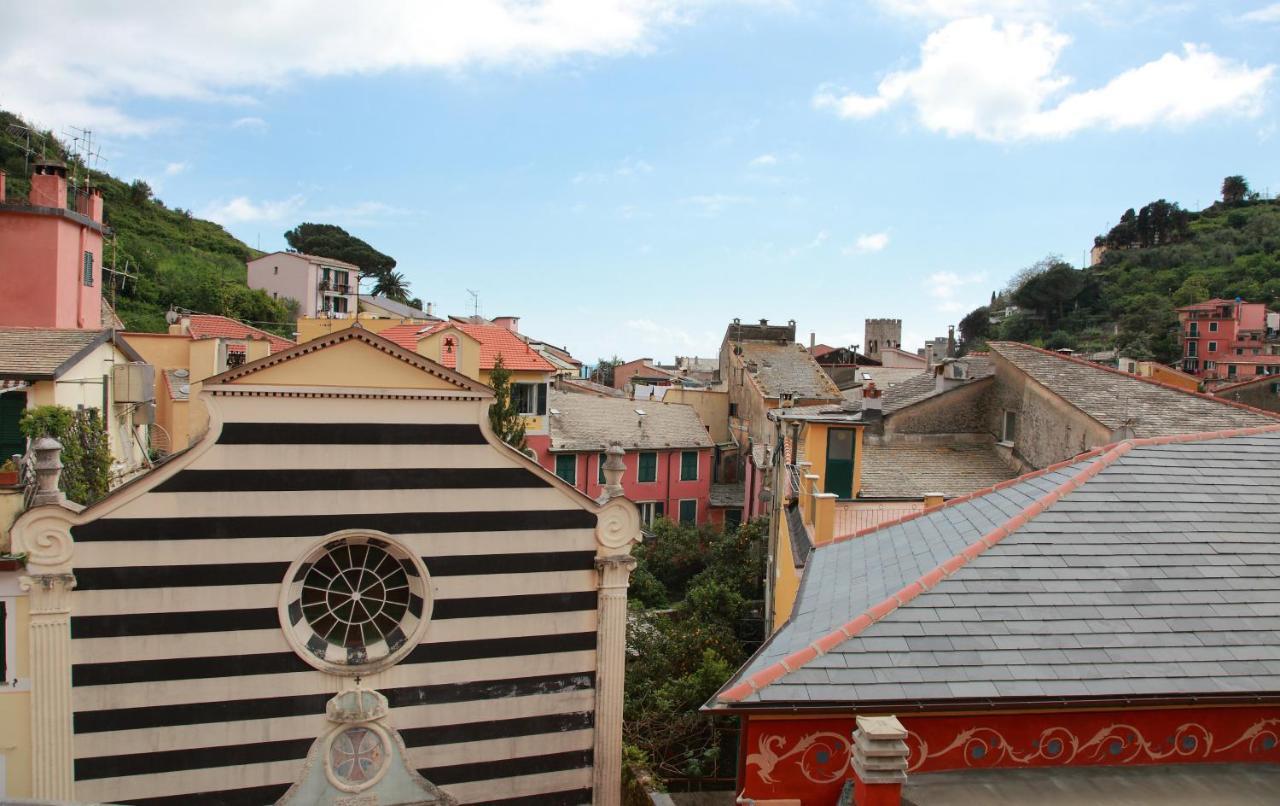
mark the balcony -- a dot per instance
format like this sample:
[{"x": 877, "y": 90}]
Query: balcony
[{"x": 335, "y": 288}]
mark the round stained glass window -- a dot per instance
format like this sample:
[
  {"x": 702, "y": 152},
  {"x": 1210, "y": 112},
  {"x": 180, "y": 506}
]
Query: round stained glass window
[{"x": 356, "y": 603}]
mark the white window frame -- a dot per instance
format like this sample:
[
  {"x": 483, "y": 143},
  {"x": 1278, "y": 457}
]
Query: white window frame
[
  {"x": 1213, "y": 327},
  {"x": 1213, "y": 347},
  {"x": 1005, "y": 437},
  {"x": 649, "y": 511},
  {"x": 533, "y": 396},
  {"x": 697, "y": 461}
]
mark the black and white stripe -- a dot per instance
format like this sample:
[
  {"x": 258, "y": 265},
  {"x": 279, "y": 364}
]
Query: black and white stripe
[{"x": 186, "y": 690}]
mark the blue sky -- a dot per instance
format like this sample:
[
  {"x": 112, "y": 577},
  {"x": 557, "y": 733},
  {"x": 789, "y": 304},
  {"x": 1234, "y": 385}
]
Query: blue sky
[{"x": 629, "y": 175}]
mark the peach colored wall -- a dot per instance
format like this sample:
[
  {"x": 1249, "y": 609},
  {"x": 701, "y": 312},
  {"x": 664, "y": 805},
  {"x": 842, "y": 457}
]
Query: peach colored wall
[
  {"x": 47, "y": 253},
  {"x": 294, "y": 279}
]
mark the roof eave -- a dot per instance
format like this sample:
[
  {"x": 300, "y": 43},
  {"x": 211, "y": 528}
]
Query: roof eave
[{"x": 920, "y": 706}]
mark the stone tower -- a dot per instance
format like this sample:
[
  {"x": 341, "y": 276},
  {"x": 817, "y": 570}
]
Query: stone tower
[{"x": 879, "y": 334}]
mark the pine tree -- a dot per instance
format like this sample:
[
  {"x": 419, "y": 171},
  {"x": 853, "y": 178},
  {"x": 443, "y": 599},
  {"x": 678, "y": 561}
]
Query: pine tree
[{"x": 504, "y": 413}]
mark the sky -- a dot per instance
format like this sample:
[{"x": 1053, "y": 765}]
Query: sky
[{"x": 628, "y": 176}]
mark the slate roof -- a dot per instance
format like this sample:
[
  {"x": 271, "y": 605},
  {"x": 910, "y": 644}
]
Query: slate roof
[
  {"x": 399, "y": 308},
  {"x": 727, "y": 495},
  {"x": 1148, "y": 567},
  {"x": 886, "y": 377},
  {"x": 494, "y": 340},
  {"x": 590, "y": 423},
  {"x": 584, "y": 386},
  {"x": 910, "y": 469},
  {"x": 41, "y": 353},
  {"x": 211, "y": 326},
  {"x": 1116, "y": 399},
  {"x": 788, "y": 368},
  {"x": 916, "y": 387}
]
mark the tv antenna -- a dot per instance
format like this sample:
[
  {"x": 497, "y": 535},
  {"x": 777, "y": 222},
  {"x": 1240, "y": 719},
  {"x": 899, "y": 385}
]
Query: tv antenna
[
  {"x": 475, "y": 302},
  {"x": 84, "y": 154},
  {"x": 26, "y": 135}
]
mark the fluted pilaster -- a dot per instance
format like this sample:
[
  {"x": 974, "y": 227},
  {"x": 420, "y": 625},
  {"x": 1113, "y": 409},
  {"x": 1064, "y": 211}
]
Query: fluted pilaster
[
  {"x": 611, "y": 661},
  {"x": 50, "y": 633}
]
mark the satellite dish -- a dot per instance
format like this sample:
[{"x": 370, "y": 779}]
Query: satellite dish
[
  {"x": 185, "y": 389},
  {"x": 181, "y": 373}
]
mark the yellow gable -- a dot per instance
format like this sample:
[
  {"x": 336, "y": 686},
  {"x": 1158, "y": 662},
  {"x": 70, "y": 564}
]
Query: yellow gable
[{"x": 348, "y": 359}]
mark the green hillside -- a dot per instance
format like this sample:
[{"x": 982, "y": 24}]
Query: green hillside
[
  {"x": 1156, "y": 260},
  {"x": 176, "y": 259}
]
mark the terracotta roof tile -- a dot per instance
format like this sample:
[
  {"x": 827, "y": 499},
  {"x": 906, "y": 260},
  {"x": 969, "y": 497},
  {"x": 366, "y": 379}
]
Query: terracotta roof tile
[
  {"x": 211, "y": 326},
  {"x": 494, "y": 341}
]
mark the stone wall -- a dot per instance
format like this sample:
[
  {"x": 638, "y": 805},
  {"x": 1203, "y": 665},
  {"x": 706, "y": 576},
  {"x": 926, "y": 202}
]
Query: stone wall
[
  {"x": 1048, "y": 428},
  {"x": 1258, "y": 395},
  {"x": 963, "y": 410}
]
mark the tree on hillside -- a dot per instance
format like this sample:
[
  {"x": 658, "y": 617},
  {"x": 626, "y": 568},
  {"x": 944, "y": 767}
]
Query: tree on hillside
[
  {"x": 504, "y": 413},
  {"x": 329, "y": 240},
  {"x": 1156, "y": 224},
  {"x": 1235, "y": 189},
  {"x": 975, "y": 328},
  {"x": 1048, "y": 292},
  {"x": 1194, "y": 289},
  {"x": 392, "y": 285}
]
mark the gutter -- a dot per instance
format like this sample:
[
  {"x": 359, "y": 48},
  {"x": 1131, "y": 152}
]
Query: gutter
[{"x": 901, "y": 707}]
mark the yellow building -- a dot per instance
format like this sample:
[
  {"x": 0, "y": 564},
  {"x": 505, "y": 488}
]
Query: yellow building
[{"x": 197, "y": 346}]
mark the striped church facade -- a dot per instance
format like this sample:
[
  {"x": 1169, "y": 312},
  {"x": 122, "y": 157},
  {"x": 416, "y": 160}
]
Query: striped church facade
[{"x": 185, "y": 684}]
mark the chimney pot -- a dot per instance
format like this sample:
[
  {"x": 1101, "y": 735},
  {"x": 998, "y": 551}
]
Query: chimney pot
[
  {"x": 813, "y": 340},
  {"x": 764, "y": 322},
  {"x": 879, "y": 761}
]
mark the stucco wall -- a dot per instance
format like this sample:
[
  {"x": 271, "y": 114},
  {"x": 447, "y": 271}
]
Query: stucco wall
[
  {"x": 15, "y": 700},
  {"x": 295, "y": 279},
  {"x": 47, "y": 252},
  {"x": 712, "y": 406},
  {"x": 667, "y": 487}
]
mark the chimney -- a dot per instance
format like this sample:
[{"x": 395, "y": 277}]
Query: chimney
[
  {"x": 49, "y": 185},
  {"x": 951, "y": 341},
  {"x": 511, "y": 323},
  {"x": 2, "y": 178},
  {"x": 431, "y": 309},
  {"x": 879, "y": 761},
  {"x": 872, "y": 407},
  {"x": 90, "y": 204},
  {"x": 764, "y": 323},
  {"x": 813, "y": 340}
]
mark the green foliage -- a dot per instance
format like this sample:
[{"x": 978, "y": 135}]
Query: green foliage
[
  {"x": 177, "y": 259},
  {"x": 504, "y": 414},
  {"x": 1235, "y": 189},
  {"x": 638, "y": 779},
  {"x": 329, "y": 240},
  {"x": 1127, "y": 301},
  {"x": 392, "y": 285},
  {"x": 975, "y": 327},
  {"x": 86, "y": 452},
  {"x": 710, "y": 586}
]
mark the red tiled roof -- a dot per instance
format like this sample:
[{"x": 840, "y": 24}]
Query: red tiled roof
[
  {"x": 819, "y": 350},
  {"x": 1209, "y": 303},
  {"x": 494, "y": 341},
  {"x": 211, "y": 326}
]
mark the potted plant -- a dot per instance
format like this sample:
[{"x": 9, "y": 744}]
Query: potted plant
[{"x": 9, "y": 474}]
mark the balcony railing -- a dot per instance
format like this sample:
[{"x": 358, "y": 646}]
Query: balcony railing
[{"x": 335, "y": 288}]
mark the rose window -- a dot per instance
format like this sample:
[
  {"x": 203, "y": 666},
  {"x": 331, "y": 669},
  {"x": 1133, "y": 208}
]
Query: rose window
[{"x": 356, "y": 603}]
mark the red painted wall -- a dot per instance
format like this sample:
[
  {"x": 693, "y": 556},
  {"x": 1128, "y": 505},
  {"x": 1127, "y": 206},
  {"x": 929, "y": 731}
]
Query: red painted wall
[
  {"x": 668, "y": 487},
  {"x": 808, "y": 759},
  {"x": 46, "y": 254}
]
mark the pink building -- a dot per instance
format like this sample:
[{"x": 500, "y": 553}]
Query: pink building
[
  {"x": 323, "y": 286},
  {"x": 668, "y": 452},
  {"x": 1226, "y": 340},
  {"x": 51, "y": 254}
]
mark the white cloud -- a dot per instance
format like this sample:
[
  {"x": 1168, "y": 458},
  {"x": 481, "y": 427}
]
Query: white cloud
[
  {"x": 999, "y": 82},
  {"x": 958, "y": 9},
  {"x": 221, "y": 51},
  {"x": 250, "y": 123},
  {"x": 1269, "y": 13},
  {"x": 868, "y": 242},
  {"x": 946, "y": 287},
  {"x": 175, "y": 168},
  {"x": 763, "y": 161},
  {"x": 629, "y": 167},
  {"x": 653, "y": 334},
  {"x": 713, "y": 204},
  {"x": 241, "y": 209}
]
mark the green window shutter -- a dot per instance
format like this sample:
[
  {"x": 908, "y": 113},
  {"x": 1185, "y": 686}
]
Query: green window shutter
[
  {"x": 88, "y": 268},
  {"x": 567, "y": 467},
  {"x": 600, "y": 468},
  {"x": 688, "y": 465},
  {"x": 648, "y": 467},
  {"x": 689, "y": 512}
]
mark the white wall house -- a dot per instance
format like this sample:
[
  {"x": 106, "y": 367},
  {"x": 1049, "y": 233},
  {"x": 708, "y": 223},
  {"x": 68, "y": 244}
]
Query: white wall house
[{"x": 323, "y": 286}]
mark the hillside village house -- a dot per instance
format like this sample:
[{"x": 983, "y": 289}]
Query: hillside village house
[
  {"x": 323, "y": 286},
  {"x": 668, "y": 452},
  {"x": 376, "y": 314},
  {"x": 347, "y": 591},
  {"x": 764, "y": 368},
  {"x": 1042, "y": 642},
  {"x": 1227, "y": 340},
  {"x": 197, "y": 346},
  {"x": 54, "y": 345}
]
